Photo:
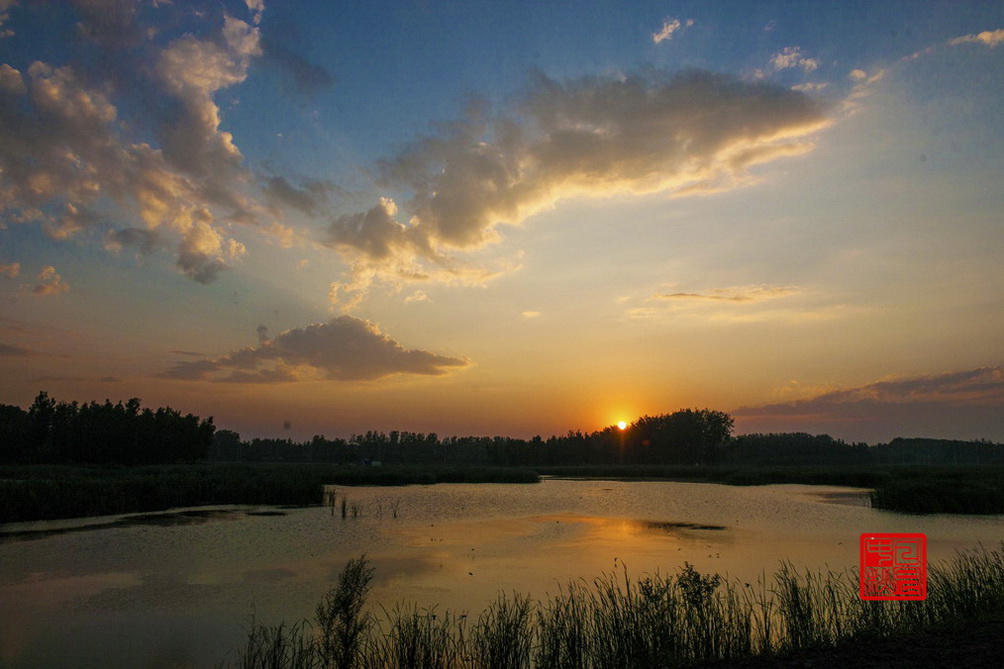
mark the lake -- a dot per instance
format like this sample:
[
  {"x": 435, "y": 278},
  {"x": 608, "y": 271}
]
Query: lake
[{"x": 179, "y": 589}]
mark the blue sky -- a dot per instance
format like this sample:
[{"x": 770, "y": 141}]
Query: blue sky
[{"x": 507, "y": 218}]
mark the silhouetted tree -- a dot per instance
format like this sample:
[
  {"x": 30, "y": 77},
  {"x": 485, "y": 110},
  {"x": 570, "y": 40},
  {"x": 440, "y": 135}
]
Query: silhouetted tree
[
  {"x": 689, "y": 436},
  {"x": 118, "y": 433}
]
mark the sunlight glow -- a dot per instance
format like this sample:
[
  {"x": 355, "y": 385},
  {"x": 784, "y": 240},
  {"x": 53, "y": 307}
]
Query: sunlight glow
[{"x": 621, "y": 425}]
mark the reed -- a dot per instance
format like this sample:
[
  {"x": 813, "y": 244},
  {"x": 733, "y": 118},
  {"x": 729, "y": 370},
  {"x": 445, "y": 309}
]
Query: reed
[
  {"x": 342, "y": 623},
  {"x": 503, "y": 636},
  {"x": 614, "y": 621},
  {"x": 414, "y": 639},
  {"x": 278, "y": 647}
]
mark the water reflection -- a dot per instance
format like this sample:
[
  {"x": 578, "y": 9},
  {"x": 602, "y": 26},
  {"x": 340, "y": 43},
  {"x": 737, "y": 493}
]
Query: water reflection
[
  {"x": 41, "y": 530},
  {"x": 184, "y": 584}
]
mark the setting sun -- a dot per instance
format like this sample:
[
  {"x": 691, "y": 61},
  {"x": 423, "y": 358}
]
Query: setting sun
[{"x": 621, "y": 425}]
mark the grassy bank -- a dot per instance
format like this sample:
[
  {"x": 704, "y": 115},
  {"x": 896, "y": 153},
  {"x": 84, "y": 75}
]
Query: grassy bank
[
  {"x": 861, "y": 477},
  {"x": 47, "y": 492},
  {"x": 40, "y": 492},
  {"x": 617, "y": 621},
  {"x": 913, "y": 489}
]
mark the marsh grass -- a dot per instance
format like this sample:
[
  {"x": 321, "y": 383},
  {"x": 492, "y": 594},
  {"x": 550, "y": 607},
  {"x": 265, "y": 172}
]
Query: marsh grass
[
  {"x": 969, "y": 489},
  {"x": 43, "y": 492},
  {"x": 654, "y": 621}
]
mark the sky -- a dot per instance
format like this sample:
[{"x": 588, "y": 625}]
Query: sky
[{"x": 519, "y": 218}]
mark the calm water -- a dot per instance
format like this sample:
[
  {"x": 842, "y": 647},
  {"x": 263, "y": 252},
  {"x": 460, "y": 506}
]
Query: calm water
[{"x": 179, "y": 589}]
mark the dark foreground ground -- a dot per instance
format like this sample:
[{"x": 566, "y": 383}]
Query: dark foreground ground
[{"x": 977, "y": 644}]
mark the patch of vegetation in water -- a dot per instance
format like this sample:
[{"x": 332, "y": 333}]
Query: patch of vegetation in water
[
  {"x": 966, "y": 489},
  {"x": 673, "y": 526},
  {"x": 44, "y": 492}
]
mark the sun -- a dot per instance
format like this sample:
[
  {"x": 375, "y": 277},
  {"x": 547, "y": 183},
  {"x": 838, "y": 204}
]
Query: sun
[{"x": 621, "y": 425}]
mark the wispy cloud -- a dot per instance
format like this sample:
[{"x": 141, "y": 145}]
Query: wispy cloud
[
  {"x": 343, "y": 349},
  {"x": 756, "y": 293},
  {"x": 417, "y": 296},
  {"x": 755, "y": 303},
  {"x": 76, "y": 379},
  {"x": 10, "y": 270},
  {"x": 12, "y": 351},
  {"x": 990, "y": 38},
  {"x": 969, "y": 402},
  {"x": 670, "y": 26},
  {"x": 307, "y": 78}
]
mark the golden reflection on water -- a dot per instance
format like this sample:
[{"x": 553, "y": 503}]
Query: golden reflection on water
[{"x": 537, "y": 554}]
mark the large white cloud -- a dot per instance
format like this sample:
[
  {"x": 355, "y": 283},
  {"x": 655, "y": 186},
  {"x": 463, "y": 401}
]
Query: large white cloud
[
  {"x": 690, "y": 133},
  {"x": 343, "y": 349},
  {"x": 69, "y": 161}
]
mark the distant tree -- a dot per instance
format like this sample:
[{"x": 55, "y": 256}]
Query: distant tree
[
  {"x": 796, "y": 448},
  {"x": 226, "y": 445},
  {"x": 689, "y": 436},
  {"x": 15, "y": 430},
  {"x": 118, "y": 433}
]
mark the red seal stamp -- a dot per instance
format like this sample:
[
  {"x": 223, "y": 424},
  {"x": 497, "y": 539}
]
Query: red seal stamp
[{"x": 893, "y": 566}]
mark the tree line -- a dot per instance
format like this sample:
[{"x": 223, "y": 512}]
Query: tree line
[
  {"x": 93, "y": 433},
  {"x": 125, "y": 433}
]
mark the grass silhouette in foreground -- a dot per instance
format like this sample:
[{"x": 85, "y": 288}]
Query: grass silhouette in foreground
[{"x": 614, "y": 621}]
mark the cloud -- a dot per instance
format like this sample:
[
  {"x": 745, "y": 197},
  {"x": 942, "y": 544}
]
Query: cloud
[
  {"x": 257, "y": 8},
  {"x": 669, "y": 27},
  {"x": 70, "y": 162},
  {"x": 10, "y": 270},
  {"x": 790, "y": 57},
  {"x": 734, "y": 294},
  {"x": 145, "y": 241},
  {"x": 307, "y": 78},
  {"x": 203, "y": 251},
  {"x": 192, "y": 354},
  {"x": 308, "y": 199},
  {"x": 5, "y": 6},
  {"x": 695, "y": 132},
  {"x": 965, "y": 404},
  {"x": 757, "y": 303},
  {"x": 810, "y": 87},
  {"x": 11, "y": 351},
  {"x": 76, "y": 379},
  {"x": 49, "y": 283},
  {"x": 343, "y": 349},
  {"x": 990, "y": 38}
]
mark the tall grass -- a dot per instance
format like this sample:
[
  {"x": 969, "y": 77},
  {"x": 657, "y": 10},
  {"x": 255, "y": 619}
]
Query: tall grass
[
  {"x": 342, "y": 623},
  {"x": 414, "y": 639},
  {"x": 615, "y": 622}
]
